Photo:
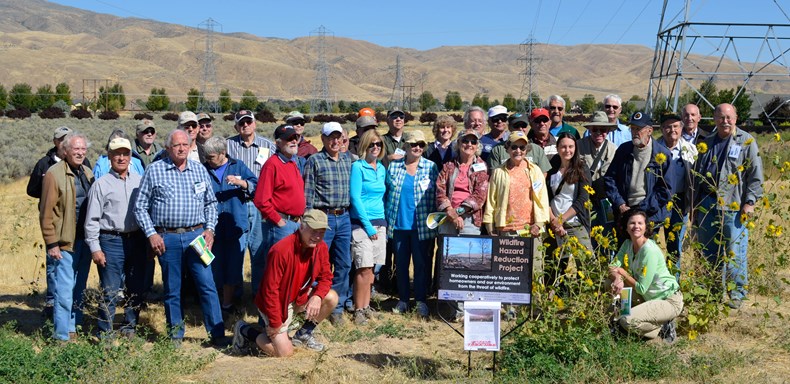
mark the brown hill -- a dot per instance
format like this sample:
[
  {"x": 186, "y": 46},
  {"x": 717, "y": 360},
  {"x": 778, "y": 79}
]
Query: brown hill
[{"x": 45, "y": 43}]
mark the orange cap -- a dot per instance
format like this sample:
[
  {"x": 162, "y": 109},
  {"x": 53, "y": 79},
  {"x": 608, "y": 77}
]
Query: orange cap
[{"x": 367, "y": 112}]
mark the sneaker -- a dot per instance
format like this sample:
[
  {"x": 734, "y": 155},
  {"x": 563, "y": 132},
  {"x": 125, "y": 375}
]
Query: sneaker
[
  {"x": 401, "y": 307},
  {"x": 337, "y": 319},
  {"x": 239, "y": 341},
  {"x": 176, "y": 343},
  {"x": 308, "y": 341},
  {"x": 220, "y": 341},
  {"x": 359, "y": 317},
  {"x": 371, "y": 313},
  {"x": 510, "y": 314},
  {"x": 735, "y": 303},
  {"x": 668, "y": 332},
  {"x": 422, "y": 310}
]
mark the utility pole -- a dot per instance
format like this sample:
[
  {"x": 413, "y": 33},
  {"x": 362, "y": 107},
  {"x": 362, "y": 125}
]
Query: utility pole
[
  {"x": 209, "y": 87},
  {"x": 321, "y": 101},
  {"x": 529, "y": 75}
]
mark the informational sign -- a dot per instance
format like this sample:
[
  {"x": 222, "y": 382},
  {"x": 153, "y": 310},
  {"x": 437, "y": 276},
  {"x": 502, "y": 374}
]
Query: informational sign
[
  {"x": 481, "y": 325},
  {"x": 485, "y": 268},
  {"x": 625, "y": 301}
]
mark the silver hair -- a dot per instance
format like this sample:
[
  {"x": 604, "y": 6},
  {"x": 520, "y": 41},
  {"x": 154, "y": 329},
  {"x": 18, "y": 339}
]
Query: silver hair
[
  {"x": 116, "y": 133},
  {"x": 66, "y": 144},
  {"x": 614, "y": 97},
  {"x": 215, "y": 145},
  {"x": 471, "y": 109},
  {"x": 169, "y": 139},
  {"x": 554, "y": 98}
]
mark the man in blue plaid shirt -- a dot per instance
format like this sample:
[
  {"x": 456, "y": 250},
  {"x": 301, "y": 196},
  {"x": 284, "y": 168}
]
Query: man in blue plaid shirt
[
  {"x": 327, "y": 179},
  {"x": 176, "y": 204}
]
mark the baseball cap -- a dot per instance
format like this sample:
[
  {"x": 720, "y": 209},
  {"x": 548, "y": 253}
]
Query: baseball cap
[
  {"x": 284, "y": 132},
  {"x": 204, "y": 116},
  {"x": 415, "y": 136},
  {"x": 366, "y": 112},
  {"x": 519, "y": 118},
  {"x": 366, "y": 121},
  {"x": 330, "y": 128},
  {"x": 469, "y": 132},
  {"x": 243, "y": 114},
  {"x": 315, "y": 219},
  {"x": 293, "y": 116},
  {"x": 497, "y": 110},
  {"x": 145, "y": 124},
  {"x": 60, "y": 132},
  {"x": 599, "y": 119},
  {"x": 186, "y": 117},
  {"x": 669, "y": 116},
  {"x": 640, "y": 119},
  {"x": 394, "y": 110},
  {"x": 119, "y": 142},
  {"x": 516, "y": 136},
  {"x": 539, "y": 112}
]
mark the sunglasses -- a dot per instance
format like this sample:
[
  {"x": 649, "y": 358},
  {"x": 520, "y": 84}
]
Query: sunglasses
[
  {"x": 207, "y": 125},
  {"x": 294, "y": 137},
  {"x": 420, "y": 144},
  {"x": 468, "y": 140},
  {"x": 298, "y": 122},
  {"x": 522, "y": 148},
  {"x": 149, "y": 132},
  {"x": 607, "y": 106},
  {"x": 395, "y": 116},
  {"x": 244, "y": 122},
  {"x": 499, "y": 118},
  {"x": 541, "y": 119},
  {"x": 598, "y": 131},
  {"x": 190, "y": 126},
  {"x": 376, "y": 144},
  {"x": 556, "y": 108},
  {"x": 520, "y": 125}
]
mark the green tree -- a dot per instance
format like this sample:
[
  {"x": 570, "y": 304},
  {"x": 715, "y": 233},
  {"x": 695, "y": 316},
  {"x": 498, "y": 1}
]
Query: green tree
[
  {"x": 194, "y": 97},
  {"x": 510, "y": 102},
  {"x": 587, "y": 103},
  {"x": 481, "y": 101},
  {"x": 777, "y": 110},
  {"x": 21, "y": 96},
  {"x": 742, "y": 104},
  {"x": 427, "y": 100},
  {"x": 248, "y": 100},
  {"x": 45, "y": 97},
  {"x": 157, "y": 100},
  {"x": 708, "y": 90},
  {"x": 3, "y": 98},
  {"x": 63, "y": 92},
  {"x": 452, "y": 101},
  {"x": 225, "y": 103},
  {"x": 112, "y": 98}
]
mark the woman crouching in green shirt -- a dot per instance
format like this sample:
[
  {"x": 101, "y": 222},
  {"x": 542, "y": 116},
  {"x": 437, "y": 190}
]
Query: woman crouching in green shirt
[{"x": 640, "y": 264}]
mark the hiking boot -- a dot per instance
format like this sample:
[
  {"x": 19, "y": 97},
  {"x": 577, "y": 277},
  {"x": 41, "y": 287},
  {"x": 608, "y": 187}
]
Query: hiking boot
[
  {"x": 422, "y": 310},
  {"x": 359, "y": 317},
  {"x": 371, "y": 313},
  {"x": 401, "y": 307},
  {"x": 735, "y": 303},
  {"x": 176, "y": 343},
  {"x": 337, "y": 319},
  {"x": 220, "y": 341},
  {"x": 668, "y": 332},
  {"x": 239, "y": 345},
  {"x": 308, "y": 341}
]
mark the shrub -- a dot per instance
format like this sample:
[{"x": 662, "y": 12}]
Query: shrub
[
  {"x": 229, "y": 117},
  {"x": 427, "y": 117},
  {"x": 52, "y": 113},
  {"x": 265, "y": 117},
  {"x": 322, "y": 118},
  {"x": 19, "y": 113},
  {"x": 109, "y": 115},
  {"x": 409, "y": 117},
  {"x": 170, "y": 116},
  {"x": 143, "y": 116},
  {"x": 380, "y": 116},
  {"x": 351, "y": 117},
  {"x": 458, "y": 118},
  {"x": 81, "y": 113}
]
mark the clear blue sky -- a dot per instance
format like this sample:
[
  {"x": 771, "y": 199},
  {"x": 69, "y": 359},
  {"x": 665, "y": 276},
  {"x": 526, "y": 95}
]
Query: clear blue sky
[{"x": 430, "y": 24}]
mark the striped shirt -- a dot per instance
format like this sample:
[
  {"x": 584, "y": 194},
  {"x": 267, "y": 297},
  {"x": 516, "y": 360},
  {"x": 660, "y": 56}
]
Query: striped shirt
[
  {"x": 109, "y": 203},
  {"x": 248, "y": 155},
  {"x": 172, "y": 198},
  {"x": 424, "y": 194},
  {"x": 327, "y": 181}
]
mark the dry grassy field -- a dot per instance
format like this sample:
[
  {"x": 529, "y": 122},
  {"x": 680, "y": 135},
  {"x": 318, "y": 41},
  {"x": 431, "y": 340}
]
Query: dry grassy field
[{"x": 749, "y": 345}]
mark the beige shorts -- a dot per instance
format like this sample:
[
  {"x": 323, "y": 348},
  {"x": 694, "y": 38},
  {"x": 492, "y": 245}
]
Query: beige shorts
[
  {"x": 366, "y": 252},
  {"x": 287, "y": 322}
]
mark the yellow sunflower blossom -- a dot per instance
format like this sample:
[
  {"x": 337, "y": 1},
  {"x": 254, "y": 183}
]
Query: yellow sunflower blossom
[
  {"x": 644, "y": 271},
  {"x": 625, "y": 260},
  {"x": 750, "y": 225},
  {"x": 588, "y": 281},
  {"x": 786, "y": 165},
  {"x": 692, "y": 335},
  {"x": 559, "y": 302},
  {"x": 670, "y": 205},
  {"x": 702, "y": 148},
  {"x": 671, "y": 236},
  {"x": 582, "y": 315},
  {"x": 720, "y": 201},
  {"x": 777, "y": 137},
  {"x": 588, "y": 205},
  {"x": 666, "y": 222},
  {"x": 596, "y": 230},
  {"x": 748, "y": 141},
  {"x": 732, "y": 179},
  {"x": 581, "y": 274},
  {"x": 740, "y": 168},
  {"x": 551, "y": 233},
  {"x": 778, "y": 232},
  {"x": 660, "y": 158},
  {"x": 734, "y": 206},
  {"x": 589, "y": 190},
  {"x": 677, "y": 227},
  {"x": 766, "y": 202}
]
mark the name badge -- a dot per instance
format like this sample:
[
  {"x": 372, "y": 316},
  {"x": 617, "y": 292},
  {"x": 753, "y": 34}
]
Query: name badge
[
  {"x": 400, "y": 152},
  {"x": 536, "y": 186},
  {"x": 477, "y": 167},
  {"x": 735, "y": 151},
  {"x": 263, "y": 155},
  {"x": 200, "y": 187},
  {"x": 425, "y": 183}
]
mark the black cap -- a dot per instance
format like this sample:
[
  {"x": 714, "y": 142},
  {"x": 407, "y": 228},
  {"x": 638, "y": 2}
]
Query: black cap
[
  {"x": 640, "y": 119},
  {"x": 669, "y": 116},
  {"x": 284, "y": 131},
  {"x": 243, "y": 114}
]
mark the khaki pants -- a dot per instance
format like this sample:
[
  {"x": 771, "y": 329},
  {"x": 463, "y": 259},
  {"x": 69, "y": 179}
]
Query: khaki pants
[{"x": 647, "y": 318}]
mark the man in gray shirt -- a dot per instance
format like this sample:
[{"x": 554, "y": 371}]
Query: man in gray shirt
[{"x": 116, "y": 243}]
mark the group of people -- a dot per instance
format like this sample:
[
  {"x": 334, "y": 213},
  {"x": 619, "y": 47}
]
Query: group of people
[{"x": 322, "y": 226}]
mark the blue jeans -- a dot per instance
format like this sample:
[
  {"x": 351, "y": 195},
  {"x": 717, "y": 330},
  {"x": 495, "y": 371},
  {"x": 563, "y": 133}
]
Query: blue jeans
[
  {"x": 270, "y": 234},
  {"x": 726, "y": 227},
  {"x": 125, "y": 264},
  {"x": 229, "y": 262},
  {"x": 50, "y": 271},
  {"x": 675, "y": 247},
  {"x": 70, "y": 276},
  {"x": 407, "y": 247},
  {"x": 178, "y": 254},
  {"x": 338, "y": 238}
]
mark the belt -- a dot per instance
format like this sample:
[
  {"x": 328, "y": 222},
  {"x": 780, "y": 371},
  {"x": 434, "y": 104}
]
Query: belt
[
  {"x": 333, "y": 211},
  {"x": 125, "y": 235},
  {"x": 179, "y": 230},
  {"x": 293, "y": 218}
]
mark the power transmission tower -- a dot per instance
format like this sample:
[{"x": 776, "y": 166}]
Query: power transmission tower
[
  {"x": 396, "y": 99},
  {"x": 209, "y": 87},
  {"x": 321, "y": 101},
  {"x": 529, "y": 76},
  {"x": 759, "y": 52}
]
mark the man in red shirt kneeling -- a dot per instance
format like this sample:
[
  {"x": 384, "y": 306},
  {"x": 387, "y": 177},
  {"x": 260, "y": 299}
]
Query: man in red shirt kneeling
[{"x": 297, "y": 279}]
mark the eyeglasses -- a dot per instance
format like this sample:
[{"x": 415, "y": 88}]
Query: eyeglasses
[
  {"x": 607, "y": 106},
  {"x": 499, "y": 118},
  {"x": 421, "y": 144},
  {"x": 395, "y": 116},
  {"x": 541, "y": 119},
  {"x": 556, "y": 108},
  {"x": 597, "y": 131},
  {"x": 148, "y": 131},
  {"x": 294, "y": 137},
  {"x": 206, "y": 125},
  {"x": 522, "y": 148},
  {"x": 244, "y": 122},
  {"x": 471, "y": 140},
  {"x": 376, "y": 144},
  {"x": 190, "y": 126},
  {"x": 520, "y": 125},
  {"x": 298, "y": 122}
]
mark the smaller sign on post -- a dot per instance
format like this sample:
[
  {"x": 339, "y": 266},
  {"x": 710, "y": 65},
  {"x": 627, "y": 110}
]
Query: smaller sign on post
[
  {"x": 481, "y": 325},
  {"x": 625, "y": 301}
]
